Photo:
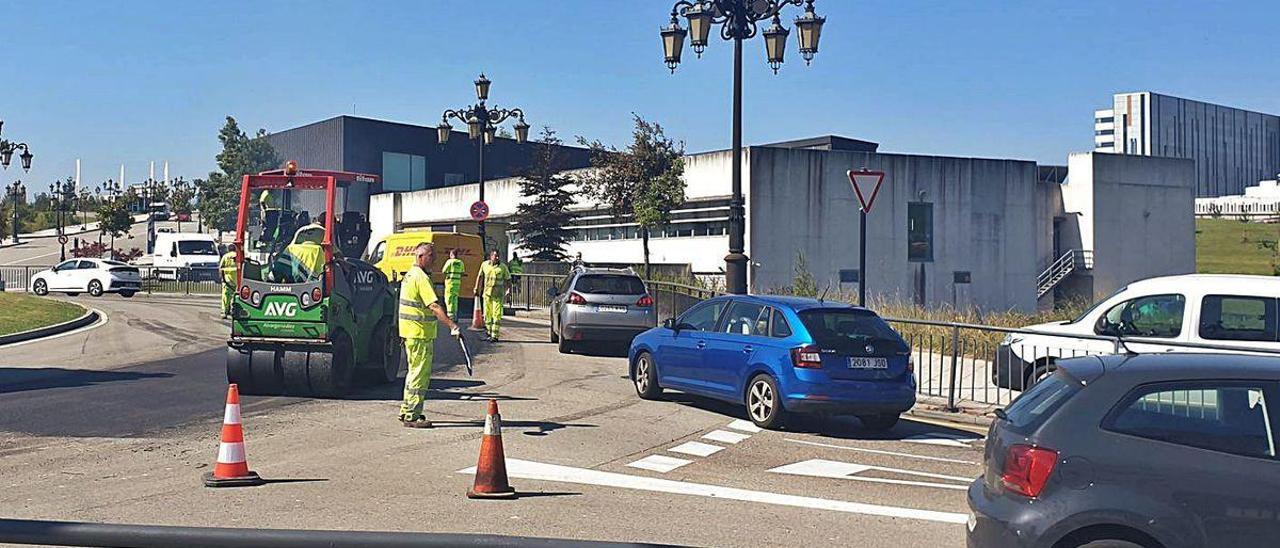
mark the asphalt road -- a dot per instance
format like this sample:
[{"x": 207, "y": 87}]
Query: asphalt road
[
  {"x": 45, "y": 250},
  {"x": 108, "y": 436}
]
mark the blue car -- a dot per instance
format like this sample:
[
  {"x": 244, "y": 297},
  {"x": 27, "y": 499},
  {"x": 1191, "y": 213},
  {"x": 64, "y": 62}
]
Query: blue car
[{"x": 780, "y": 355}]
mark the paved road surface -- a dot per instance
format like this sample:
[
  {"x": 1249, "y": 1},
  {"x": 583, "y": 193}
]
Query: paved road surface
[
  {"x": 45, "y": 251},
  {"x": 106, "y": 437}
]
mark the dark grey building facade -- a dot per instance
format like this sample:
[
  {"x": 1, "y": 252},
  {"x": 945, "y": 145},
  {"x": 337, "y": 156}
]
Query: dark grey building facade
[{"x": 407, "y": 157}]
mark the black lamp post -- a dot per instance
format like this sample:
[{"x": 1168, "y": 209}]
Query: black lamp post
[
  {"x": 7, "y": 148},
  {"x": 64, "y": 197},
  {"x": 151, "y": 189},
  {"x": 111, "y": 189},
  {"x": 482, "y": 122},
  {"x": 738, "y": 20},
  {"x": 17, "y": 193}
]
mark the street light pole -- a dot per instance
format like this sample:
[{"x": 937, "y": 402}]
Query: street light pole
[
  {"x": 16, "y": 192},
  {"x": 482, "y": 122},
  {"x": 738, "y": 20}
]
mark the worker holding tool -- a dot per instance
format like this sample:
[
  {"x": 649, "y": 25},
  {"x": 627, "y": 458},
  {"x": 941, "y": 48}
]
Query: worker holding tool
[
  {"x": 454, "y": 271},
  {"x": 227, "y": 265},
  {"x": 419, "y": 313},
  {"x": 495, "y": 276}
]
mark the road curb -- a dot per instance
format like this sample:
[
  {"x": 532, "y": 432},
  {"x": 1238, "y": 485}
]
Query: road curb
[
  {"x": 11, "y": 244},
  {"x": 90, "y": 316},
  {"x": 942, "y": 415}
]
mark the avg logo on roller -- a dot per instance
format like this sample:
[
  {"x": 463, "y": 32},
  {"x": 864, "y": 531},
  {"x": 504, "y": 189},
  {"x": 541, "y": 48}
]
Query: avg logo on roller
[{"x": 287, "y": 310}]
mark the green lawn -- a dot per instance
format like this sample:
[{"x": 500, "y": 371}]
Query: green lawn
[
  {"x": 1228, "y": 246},
  {"x": 24, "y": 312}
]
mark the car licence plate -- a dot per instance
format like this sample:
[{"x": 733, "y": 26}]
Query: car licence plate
[
  {"x": 868, "y": 363},
  {"x": 611, "y": 308}
]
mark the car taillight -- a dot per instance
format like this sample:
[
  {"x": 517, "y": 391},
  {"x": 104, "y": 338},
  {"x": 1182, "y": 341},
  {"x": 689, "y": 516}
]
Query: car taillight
[
  {"x": 1027, "y": 468},
  {"x": 315, "y": 295},
  {"x": 807, "y": 357},
  {"x": 645, "y": 301},
  {"x": 575, "y": 298},
  {"x": 244, "y": 292}
]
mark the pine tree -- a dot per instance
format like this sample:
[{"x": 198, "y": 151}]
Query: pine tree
[
  {"x": 543, "y": 214},
  {"x": 241, "y": 155}
]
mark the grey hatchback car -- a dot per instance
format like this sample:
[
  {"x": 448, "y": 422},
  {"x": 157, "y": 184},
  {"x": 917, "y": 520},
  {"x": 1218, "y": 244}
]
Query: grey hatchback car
[
  {"x": 1159, "y": 450},
  {"x": 600, "y": 305}
]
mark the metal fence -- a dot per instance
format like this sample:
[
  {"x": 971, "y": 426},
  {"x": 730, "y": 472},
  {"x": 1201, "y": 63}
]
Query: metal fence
[
  {"x": 531, "y": 291},
  {"x": 186, "y": 281}
]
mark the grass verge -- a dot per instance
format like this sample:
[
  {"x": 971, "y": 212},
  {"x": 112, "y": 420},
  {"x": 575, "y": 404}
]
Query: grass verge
[
  {"x": 25, "y": 312},
  {"x": 1228, "y": 246}
]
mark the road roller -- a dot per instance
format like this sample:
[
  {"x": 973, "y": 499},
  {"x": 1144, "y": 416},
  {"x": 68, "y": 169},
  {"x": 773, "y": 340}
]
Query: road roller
[{"x": 308, "y": 317}]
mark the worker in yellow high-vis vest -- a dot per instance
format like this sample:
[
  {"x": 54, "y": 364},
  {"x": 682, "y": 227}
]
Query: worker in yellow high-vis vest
[
  {"x": 454, "y": 271},
  {"x": 419, "y": 313},
  {"x": 227, "y": 266},
  {"x": 493, "y": 279},
  {"x": 516, "y": 268}
]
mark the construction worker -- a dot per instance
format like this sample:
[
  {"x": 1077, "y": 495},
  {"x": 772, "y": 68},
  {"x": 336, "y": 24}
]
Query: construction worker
[
  {"x": 228, "y": 267},
  {"x": 307, "y": 251},
  {"x": 454, "y": 271},
  {"x": 419, "y": 312},
  {"x": 495, "y": 276},
  {"x": 516, "y": 268}
]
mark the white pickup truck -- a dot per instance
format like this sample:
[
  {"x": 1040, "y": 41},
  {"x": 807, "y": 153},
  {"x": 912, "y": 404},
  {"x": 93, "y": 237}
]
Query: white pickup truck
[
  {"x": 1222, "y": 310},
  {"x": 185, "y": 256}
]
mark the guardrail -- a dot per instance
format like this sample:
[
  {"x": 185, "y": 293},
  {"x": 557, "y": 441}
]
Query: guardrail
[{"x": 671, "y": 299}]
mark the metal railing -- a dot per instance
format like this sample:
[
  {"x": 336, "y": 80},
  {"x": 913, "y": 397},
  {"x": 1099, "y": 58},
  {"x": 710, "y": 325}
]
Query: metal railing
[
  {"x": 530, "y": 291},
  {"x": 1072, "y": 260},
  {"x": 186, "y": 281}
]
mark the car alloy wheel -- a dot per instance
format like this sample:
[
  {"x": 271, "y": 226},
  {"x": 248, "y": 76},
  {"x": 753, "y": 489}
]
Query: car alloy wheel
[
  {"x": 40, "y": 287},
  {"x": 761, "y": 401},
  {"x": 95, "y": 288},
  {"x": 642, "y": 374}
]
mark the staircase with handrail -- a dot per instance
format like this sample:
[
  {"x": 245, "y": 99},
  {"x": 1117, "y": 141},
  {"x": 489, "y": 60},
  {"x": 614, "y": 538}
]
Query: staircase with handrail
[{"x": 1060, "y": 269}]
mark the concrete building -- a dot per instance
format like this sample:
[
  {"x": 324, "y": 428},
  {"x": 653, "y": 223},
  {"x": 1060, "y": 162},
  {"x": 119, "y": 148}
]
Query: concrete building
[
  {"x": 996, "y": 234},
  {"x": 1261, "y": 200},
  {"x": 1232, "y": 148}
]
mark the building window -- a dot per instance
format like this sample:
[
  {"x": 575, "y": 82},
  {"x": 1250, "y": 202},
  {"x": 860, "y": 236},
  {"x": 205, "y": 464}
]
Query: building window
[
  {"x": 403, "y": 172},
  {"x": 920, "y": 232},
  {"x": 1105, "y": 132},
  {"x": 1106, "y": 120}
]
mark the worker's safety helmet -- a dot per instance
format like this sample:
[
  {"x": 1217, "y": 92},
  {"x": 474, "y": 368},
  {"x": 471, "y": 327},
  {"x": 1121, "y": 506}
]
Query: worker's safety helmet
[{"x": 312, "y": 233}]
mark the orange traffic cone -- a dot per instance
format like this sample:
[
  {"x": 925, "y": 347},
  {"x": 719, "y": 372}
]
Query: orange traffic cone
[
  {"x": 231, "y": 469},
  {"x": 491, "y": 471},
  {"x": 477, "y": 313}
]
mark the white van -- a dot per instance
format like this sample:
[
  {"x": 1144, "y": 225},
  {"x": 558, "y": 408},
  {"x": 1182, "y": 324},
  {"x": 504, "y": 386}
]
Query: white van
[
  {"x": 1226, "y": 310},
  {"x": 185, "y": 256}
]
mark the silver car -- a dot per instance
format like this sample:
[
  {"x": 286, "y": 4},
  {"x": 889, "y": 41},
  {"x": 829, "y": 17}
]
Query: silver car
[{"x": 600, "y": 305}]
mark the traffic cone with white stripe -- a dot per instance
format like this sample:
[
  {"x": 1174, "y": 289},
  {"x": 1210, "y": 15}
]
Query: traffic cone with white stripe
[
  {"x": 231, "y": 469},
  {"x": 491, "y": 471},
  {"x": 477, "y": 313}
]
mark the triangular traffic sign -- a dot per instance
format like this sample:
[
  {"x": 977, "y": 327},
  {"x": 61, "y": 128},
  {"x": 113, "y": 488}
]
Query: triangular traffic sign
[{"x": 864, "y": 177}]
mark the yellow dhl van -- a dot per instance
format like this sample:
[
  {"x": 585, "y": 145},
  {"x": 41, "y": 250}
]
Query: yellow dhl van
[{"x": 393, "y": 255}]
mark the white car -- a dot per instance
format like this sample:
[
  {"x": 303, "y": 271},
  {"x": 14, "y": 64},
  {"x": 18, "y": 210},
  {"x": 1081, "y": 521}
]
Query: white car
[
  {"x": 92, "y": 276},
  {"x": 1222, "y": 310}
]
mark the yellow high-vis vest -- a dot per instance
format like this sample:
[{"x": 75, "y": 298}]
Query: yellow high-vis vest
[{"x": 416, "y": 293}]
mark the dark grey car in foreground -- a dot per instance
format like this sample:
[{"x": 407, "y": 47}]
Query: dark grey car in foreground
[{"x": 1158, "y": 450}]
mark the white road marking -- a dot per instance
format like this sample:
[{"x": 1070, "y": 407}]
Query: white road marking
[
  {"x": 745, "y": 426},
  {"x": 696, "y": 448},
  {"x": 102, "y": 320},
  {"x": 725, "y": 436},
  {"x": 551, "y": 472},
  {"x": 946, "y": 440},
  {"x": 659, "y": 463},
  {"x": 34, "y": 258},
  {"x": 881, "y": 452},
  {"x": 835, "y": 469}
]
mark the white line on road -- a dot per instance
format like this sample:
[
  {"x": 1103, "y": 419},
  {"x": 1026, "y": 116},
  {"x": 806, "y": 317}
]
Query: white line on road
[
  {"x": 102, "y": 320},
  {"x": 659, "y": 463},
  {"x": 34, "y": 258},
  {"x": 744, "y": 426},
  {"x": 725, "y": 436},
  {"x": 696, "y": 448},
  {"x": 821, "y": 467},
  {"x": 945, "y": 440},
  {"x": 551, "y": 472},
  {"x": 881, "y": 452}
]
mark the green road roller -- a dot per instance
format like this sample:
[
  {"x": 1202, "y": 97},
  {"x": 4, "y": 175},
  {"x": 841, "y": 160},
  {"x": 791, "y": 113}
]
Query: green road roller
[{"x": 308, "y": 317}]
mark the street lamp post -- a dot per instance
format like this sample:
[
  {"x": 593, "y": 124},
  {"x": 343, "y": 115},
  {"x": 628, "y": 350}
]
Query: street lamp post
[
  {"x": 738, "y": 20},
  {"x": 111, "y": 189},
  {"x": 17, "y": 192},
  {"x": 482, "y": 122},
  {"x": 64, "y": 196},
  {"x": 151, "y": 189}
]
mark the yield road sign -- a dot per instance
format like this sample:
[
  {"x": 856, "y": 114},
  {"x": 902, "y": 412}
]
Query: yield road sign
[
  {"x": 861, "y": 178},
  {"x": 479, "y": 211}
]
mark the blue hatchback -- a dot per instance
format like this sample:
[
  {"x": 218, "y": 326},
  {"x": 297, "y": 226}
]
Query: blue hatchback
[{"x": 780, "y": 355}]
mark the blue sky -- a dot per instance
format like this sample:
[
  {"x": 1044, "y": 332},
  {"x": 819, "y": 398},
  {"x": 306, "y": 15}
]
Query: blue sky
[{"x": 139, "y": 81}]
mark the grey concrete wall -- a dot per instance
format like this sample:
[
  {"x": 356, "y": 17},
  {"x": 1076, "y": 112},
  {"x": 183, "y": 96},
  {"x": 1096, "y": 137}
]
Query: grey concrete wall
[
  {"x": 1143, "y": 217},
  {"x": 990, "y": 218}
]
